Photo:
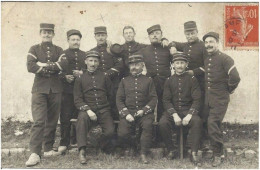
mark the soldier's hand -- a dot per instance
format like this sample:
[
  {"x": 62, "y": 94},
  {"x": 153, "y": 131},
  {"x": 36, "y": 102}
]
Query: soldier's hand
[
  {"x": 173, "y": 50},
  {"x": 129, "y": 118},
  {"x": 177, "y": 119},
  {"x": 92, "y": 115},
  {"x": 165, "y": 43},
  {"x": 69, "y": 78},
  {"x": 77, "y": 73},
  {"x": 42, "y": 64},
  {"x": 139, "y": 113},
  {"x": 190, "y": 72},
  {"x": 186, "y": 119}
]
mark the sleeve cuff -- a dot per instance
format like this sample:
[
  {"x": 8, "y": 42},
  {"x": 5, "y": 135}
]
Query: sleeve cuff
[
  {"x": 84, "y": 108},
  {"x": 193, "y": 111},
  {"x": 147, "y": 109},
  {"x": 124, "y": 112},
  {"x": 171, "y": 111}
]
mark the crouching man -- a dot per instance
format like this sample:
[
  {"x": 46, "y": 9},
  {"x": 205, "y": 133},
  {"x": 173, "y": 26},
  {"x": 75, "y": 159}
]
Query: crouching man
[
  {"x": 181, "y": 101},
  {"x": 136, "y": 99},
  {"x": 92, "y": 93}
]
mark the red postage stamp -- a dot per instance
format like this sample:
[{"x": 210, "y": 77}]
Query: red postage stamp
[{"x": 241, "y": 27}]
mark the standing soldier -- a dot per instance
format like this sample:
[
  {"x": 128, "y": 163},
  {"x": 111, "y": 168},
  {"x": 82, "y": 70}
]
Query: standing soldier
[
  {"x": 131, "y": 46},
  {"x": 45, "y": 60},
  {"x": 157, "y": 61},
  {"x": 109, "y": 63},
  {"x": 136, "y": 100},
  {"x": 76, "y": 62},
  {"x": 181, "y": 99},
  {"x": 222, "y": 78},
  {"x": 92, "y": 94},
  {"x": 195, "y": 50}
]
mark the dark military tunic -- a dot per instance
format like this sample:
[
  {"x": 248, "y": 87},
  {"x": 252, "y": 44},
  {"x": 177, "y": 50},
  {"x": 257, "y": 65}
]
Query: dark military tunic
[
  {"x": 129, "y": 48},
  {"x": 136, "y": 93},
  {"x": 112, "y": 66},
  {"x": 46, "y": 93},
  {"x": 222, "y": 78},
  {"x": 157, "y": 61},
  {"x": 94, "y": 91},
  {"x": 195, "y": 53},
  {"x": 76, "y": 61},
  {"x": 182, "y": 95}
]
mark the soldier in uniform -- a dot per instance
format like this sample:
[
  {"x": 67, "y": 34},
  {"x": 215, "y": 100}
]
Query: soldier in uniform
[
  {"x": 181, "y": 99},
  {"x": 195, "y": 50},
  {"x": 131, "y": 46},
  {"x": 222, "y": 78},
  {"x": 136, "y": 99},
  {"x": 76, "y": 64},
  {"x": 92, "y": 96},
  {"x": 109, "y": 63},
  {"x": 157, "y": 61},
  {"x": 45, "y": 60}
]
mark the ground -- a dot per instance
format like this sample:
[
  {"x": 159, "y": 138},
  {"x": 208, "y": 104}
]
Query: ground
[{"x": 236, "y": 137}]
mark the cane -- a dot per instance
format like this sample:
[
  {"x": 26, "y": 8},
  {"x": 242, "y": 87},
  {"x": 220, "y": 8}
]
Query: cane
[{"x": 181, "y": 143}]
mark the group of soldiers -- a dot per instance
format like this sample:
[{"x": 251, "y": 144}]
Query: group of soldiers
[{"x": 127, "y": 83}]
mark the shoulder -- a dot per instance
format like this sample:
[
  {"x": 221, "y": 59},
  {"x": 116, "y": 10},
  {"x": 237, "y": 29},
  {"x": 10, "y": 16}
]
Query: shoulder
[
  {"x": 36, "y": 46},
  {"x": 224, "y": 56},
  {"x": 57, "y": 47}
]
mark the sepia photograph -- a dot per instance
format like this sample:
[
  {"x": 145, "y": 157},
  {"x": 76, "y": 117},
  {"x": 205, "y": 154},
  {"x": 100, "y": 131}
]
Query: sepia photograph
[{"x": 129, "y": 85}]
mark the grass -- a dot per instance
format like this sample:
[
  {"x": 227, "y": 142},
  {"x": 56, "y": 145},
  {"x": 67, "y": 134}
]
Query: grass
[
  {"x": 101, "y": 160},
  {"x": 236, "y": 136}
]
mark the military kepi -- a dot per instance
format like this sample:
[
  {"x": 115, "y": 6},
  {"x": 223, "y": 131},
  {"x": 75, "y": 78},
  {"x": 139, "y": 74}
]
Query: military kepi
[
  {"x": 92, "y": 53},
  {"x": 179, "y": 56},
  {"x": 74, "y": 32},
  {"x": 154, "y": 28},
  {"x": 135, "y": 58},
  {"x": 190, "y": 25},
  {"x": 46, "y": 26},
  {"x": 211, "y": 34},
  {"x": 101, "y": 29}
]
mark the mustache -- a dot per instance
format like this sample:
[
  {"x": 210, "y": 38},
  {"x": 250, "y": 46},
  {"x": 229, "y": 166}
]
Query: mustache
[
  {"x": 76, "y": 44},
  {"x": 209, "y": 47}
]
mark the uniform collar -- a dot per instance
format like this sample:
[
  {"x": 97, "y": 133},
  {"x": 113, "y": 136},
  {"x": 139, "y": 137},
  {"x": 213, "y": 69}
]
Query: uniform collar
[
  {"x": 196, "y": 41},
  {"x": 46, "y": 44},
  {"x": 74, "y": 49},
  {"x": 214, "y": 53},
  {"x": 102, "y": 46},
  {"x": 180, "y": 75},
  {"x": 92, "y": 73},
  {"x": 136, "y": 76},
  {"x": 156, "y": 44},
  {"x": 130, "y": 42}
]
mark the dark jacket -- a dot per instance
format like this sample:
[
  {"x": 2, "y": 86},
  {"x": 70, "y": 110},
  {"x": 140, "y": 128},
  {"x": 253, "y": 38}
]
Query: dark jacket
[
  {"x": 181, "y": 93},
  {"x": 46, "y": 78}
]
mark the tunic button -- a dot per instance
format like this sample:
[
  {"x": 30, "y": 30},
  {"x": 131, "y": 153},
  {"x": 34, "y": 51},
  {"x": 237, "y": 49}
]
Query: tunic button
[
  {"x": 129, "y": 50},
  {"x": 179, "y": 93},
  {"x": 188, "y": 54},
  {"x": 190, "y": 46},
  {"x": 179, "y": 98},
  {"x": 157, "y": 74},
  {"x": 155, "y": 48},
  {"x": 208, "y": 87},
  {"x": 135, "y": 87},
  {"x": 48, "y": 47},
  {"x": 48, "y": 60},
  {"x": 209, "y": 64},
  {"x": 135, "y": 83},
  {"x": 208, "y": 68},
  {"x": 189, "y": 50},
  {"x": 135, "y": 79},
  {"x": 129, "y": 54},
  {"x": 136, "y": 92},
  {"x": 129, "y": 46},
  {"x": 155, "y": 52},
  {"x": 208, "y": 73},
  {"x": 179, "y": 88},
  {"x": 136, "y": 97},
  {"x": 210, "y": 59}
]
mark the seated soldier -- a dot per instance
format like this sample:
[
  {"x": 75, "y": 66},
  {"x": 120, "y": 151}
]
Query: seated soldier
[
  {"x": 136, "y": 99},
  {"x": 181, "y": 99},
  {"x": 92, "y": 94}
]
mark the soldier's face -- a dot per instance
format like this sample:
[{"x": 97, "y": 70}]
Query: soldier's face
[
  {"x": 129, "y": 35},
  {"x": 47, "y": 35},
  {"x": 101, "y": 38},
  {"x": 74, "y": 41},
  {"x": 155, "y": 36},
  {"x": 92, "y": 63},
  {"x": 180, "y": 66},
  {"x": 136, "y": 68},
  {"x": 211, "y": 44},
  {"x": 191, "y": 35}
]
